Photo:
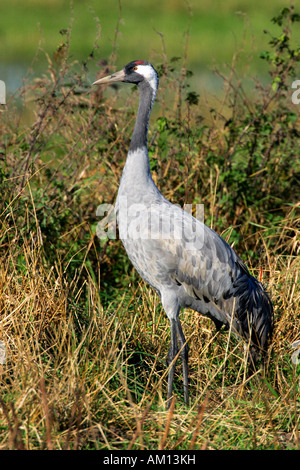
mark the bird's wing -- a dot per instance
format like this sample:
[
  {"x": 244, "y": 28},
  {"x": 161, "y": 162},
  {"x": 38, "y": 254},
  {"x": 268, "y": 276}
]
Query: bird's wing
[
  {"x": 181, "y": 256},
  {"x": 182, "y": 251},
  {"x": 188, "y": 250},
  {"x": 213, "y": 280}
]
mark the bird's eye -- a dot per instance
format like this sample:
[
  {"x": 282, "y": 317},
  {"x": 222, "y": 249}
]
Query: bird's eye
[{"x": 134, "y": 68}]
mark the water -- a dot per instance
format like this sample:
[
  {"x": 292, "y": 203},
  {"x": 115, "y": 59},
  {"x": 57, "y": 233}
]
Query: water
[
  {"x": 203, "y": 80},
  {"x": 13, "y": 75}
]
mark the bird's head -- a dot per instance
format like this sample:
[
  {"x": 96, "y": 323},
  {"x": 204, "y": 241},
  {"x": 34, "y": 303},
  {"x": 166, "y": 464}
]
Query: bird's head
[{"x": 137, "y": 72}]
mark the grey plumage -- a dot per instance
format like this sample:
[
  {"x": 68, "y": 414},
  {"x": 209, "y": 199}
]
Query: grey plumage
[{"x": 186, "y": 262}]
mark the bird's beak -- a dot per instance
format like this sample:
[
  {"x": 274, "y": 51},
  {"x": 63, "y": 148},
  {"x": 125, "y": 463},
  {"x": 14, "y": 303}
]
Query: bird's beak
[{"x": 115, "y": 77}]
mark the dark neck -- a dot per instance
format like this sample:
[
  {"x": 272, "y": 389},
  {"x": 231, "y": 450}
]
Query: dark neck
[{"x": 139, "y": 136}]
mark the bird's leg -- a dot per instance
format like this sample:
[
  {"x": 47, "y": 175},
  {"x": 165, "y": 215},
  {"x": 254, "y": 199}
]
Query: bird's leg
[
  {"x": 184, "y": 352},
  {"x": 173, "y": 351}
]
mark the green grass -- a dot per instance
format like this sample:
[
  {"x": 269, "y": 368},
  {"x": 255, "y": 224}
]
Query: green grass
[
  {"x": 86, "y": 340},
  {"x": 216, "y": 29}
]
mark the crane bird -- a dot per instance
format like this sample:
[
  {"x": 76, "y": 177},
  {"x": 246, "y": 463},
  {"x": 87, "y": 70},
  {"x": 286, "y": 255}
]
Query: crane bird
[{"x": 187, "y": 263}]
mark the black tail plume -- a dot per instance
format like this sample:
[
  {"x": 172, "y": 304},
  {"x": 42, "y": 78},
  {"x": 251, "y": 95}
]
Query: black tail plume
[{"x": 255, "y": 316}]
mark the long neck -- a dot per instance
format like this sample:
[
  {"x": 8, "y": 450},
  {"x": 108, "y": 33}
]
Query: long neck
[
  {"x": 136, "y": 178},
  {"x": 139, "y": 136}
]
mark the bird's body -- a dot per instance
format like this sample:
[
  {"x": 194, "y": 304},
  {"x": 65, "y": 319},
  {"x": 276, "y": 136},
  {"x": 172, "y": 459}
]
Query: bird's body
[{"x": 187, "y": 263}]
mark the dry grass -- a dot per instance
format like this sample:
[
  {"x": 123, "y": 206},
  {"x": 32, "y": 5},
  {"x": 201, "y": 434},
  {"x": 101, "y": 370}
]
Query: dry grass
[{"x": 102, "y": 384}]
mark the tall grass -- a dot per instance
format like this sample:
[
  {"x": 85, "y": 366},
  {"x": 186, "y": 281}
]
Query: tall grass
[{"x": 86, "y": 340}]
